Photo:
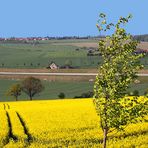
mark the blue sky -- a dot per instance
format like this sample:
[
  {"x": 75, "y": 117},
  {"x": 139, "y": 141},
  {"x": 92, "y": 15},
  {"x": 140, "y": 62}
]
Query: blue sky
[{"x": 23, "y": 18}]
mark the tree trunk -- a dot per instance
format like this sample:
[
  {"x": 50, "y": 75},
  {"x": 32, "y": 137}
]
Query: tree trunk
[
  {"x": 105, "y": 138},
  {"x": 30, "y": 98},
  {"x": 16, "y": 98}
]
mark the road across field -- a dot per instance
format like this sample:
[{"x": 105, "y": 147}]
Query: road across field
[{"x": 54, "y": 74}]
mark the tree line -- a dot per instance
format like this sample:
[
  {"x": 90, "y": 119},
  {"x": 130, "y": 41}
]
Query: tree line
[{"x": 143, "y": 38}]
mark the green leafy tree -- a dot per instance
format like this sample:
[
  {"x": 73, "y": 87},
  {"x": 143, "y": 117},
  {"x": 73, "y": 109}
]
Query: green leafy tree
[
  {"x": 32, "y": 86},
  {"x": 15, "y": 91},
  {"x": 68, "y": 63},
  {"x": 119, "y": 69}
]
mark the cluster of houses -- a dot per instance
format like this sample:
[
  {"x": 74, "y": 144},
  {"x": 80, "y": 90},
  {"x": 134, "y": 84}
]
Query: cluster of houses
[
  {"x": 46, "y": 38},
  {"x": 25, "y": 39}
]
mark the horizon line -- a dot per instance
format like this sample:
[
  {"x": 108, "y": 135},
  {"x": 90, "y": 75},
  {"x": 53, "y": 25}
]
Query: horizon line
[{"x": 66, "y": 36}]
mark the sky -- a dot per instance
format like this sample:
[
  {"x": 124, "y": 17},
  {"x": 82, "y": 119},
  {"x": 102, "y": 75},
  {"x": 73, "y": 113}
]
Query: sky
[{"x": 27, "y": 18}]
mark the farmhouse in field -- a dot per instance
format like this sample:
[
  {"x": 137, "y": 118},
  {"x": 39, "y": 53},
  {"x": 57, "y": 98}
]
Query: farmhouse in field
[{"x": 53, "y": 65}]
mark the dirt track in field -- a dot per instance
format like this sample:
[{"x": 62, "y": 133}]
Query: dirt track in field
[
  {"x": 79, "y": 44},
  {"x": 50, "y": 78},
  {"x": 144, "y": 71},
  {"x": 50, "y": 71},
  {"x": 55, "y": 77}
]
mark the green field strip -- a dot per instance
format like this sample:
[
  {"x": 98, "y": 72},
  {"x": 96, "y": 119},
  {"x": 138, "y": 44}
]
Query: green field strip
[{"x": 15, "y": 55}]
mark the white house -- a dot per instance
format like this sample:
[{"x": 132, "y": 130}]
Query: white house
[{"x": 52, "y": 65}]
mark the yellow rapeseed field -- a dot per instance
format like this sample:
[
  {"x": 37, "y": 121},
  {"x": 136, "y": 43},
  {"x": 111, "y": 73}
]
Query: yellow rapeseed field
[{"x": 61, "y": 123}]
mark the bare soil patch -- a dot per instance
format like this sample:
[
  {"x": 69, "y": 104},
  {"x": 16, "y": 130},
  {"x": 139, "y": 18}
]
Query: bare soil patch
[
  {"x": 50, "y": 70},
  {"x": 142, "y": 45},
  {"x": 79, "y": 44}
]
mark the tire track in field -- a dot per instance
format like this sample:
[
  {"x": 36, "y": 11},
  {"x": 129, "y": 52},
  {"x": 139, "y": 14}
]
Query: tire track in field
[
  {"x": 10, "y": 133},
  {"x": 6, "y": 106},
  {"x": 5, "y": 141},
  {"x": 26, "y": 131}
]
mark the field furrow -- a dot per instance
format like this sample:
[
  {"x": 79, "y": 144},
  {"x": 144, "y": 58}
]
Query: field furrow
[
  {"x": 28, "y": 136},
  {"x": 4, "y": 129}
]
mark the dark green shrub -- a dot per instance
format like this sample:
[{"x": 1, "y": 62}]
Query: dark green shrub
[
  {"x": 61, "y": 95},
  {"x": 135, "y": 93}
]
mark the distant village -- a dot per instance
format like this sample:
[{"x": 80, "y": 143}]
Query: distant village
[
  {"x": 47, "y": 38},
  {"x": 24, "y": 39},
  {"x": 143, "y": 38}
]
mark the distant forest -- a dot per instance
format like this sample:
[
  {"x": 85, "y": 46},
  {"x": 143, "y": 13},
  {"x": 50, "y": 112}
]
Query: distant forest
[{"x": 143, "y": 38}]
